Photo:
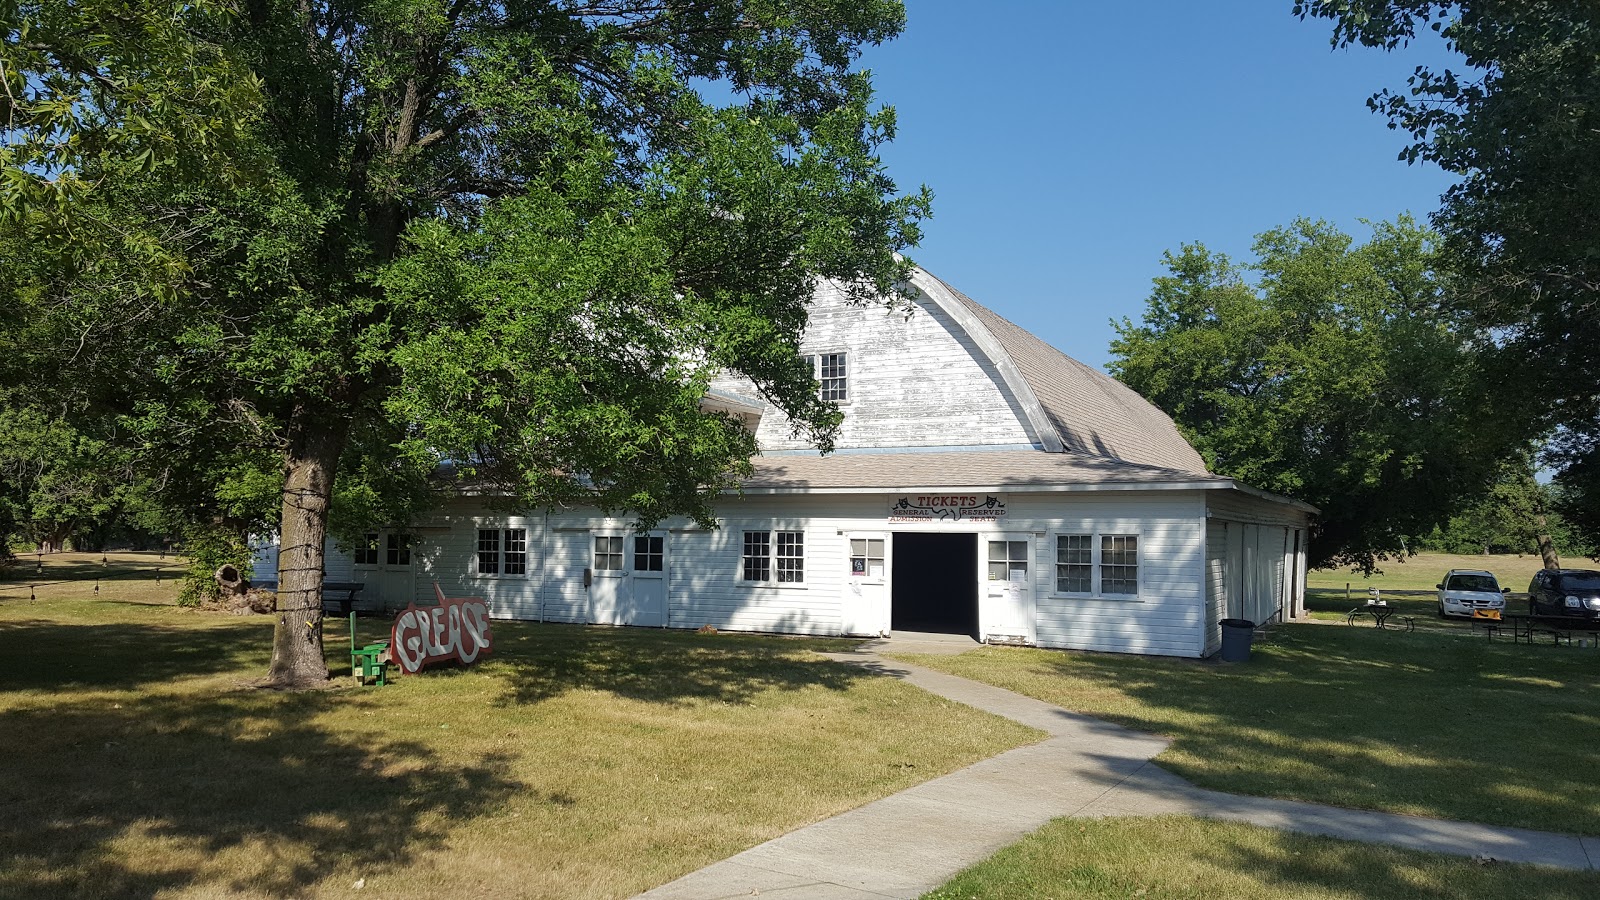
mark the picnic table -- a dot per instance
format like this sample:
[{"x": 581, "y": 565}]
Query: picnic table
[
  {"x": 337, "y": 596},
  {"x": 1379, "y": 611},
  {"x": 1526, "y": 627}
]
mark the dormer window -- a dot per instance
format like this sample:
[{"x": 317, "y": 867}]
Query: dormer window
[{"x": 830, "y": 372}]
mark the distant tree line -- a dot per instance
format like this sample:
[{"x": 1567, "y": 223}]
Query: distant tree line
[{"x": 1504, "y": 520}]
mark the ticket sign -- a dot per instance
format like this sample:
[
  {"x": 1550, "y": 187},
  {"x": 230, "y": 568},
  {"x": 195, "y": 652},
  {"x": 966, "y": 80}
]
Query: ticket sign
[
  {"x": 455, "y": 630},
  {"x": 935, "y": 507}
]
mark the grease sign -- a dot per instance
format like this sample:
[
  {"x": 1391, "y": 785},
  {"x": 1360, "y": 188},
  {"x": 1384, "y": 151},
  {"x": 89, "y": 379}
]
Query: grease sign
[
  {"x": 456, "y": 629},
  {"x": 933, "y": 507}
]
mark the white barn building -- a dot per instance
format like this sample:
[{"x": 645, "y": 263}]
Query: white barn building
[{"x": 983, "y": 483}]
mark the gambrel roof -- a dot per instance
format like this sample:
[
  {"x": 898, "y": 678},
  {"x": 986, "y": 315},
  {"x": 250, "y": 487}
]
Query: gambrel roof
[
  {"x": 1082, "y": 409},
  {"x": 953, "y": 376}
]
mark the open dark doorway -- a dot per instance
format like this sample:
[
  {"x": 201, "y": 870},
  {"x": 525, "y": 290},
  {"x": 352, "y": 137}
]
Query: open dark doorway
[{"x": 935, "y": 579}]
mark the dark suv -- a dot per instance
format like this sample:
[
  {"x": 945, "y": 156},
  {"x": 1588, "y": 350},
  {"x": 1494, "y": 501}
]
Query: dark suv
[{"x": 1565, "y": 592}]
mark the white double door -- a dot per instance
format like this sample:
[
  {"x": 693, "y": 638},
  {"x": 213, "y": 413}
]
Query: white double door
[
  {"x": 627, "y": 578},
  {"x": 383, "y": 564}
]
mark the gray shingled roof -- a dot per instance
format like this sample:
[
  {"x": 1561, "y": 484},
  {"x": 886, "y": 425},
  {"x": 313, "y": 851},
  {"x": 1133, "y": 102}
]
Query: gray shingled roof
[
  {"x": 956, "y": 469},
  {"x": 1092, "y": 412}
]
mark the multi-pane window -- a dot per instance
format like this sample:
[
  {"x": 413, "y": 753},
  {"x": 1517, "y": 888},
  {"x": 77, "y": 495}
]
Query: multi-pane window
[
  {"x": 607, "y": 553},
  {"x": 399, "y": 550},
  {"x": 1008, "y": 560},
  {"x": 757, "y": 557},
  {"x": 502, "y": 551},
  {"x": 1119, "y": 564},
  {"x": 488, "y": 551},
  {"x": 647, "y": 553},
  {"x": 830, "y": 371},
  {"x": 1075, "y": 563},
  {"x": 516, "y": 549},
  {"x": 866, "y": 557},
  {"x": 760, "y": 551},
  {"x": 791, "y": 557},
  {"x": 367, "y": 551}
]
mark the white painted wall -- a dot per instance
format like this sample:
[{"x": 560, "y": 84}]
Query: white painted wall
[
  {"x": 913, "y": 382},
  {"x": 264, "y": 560},
  {"x": 1167, "y": 616}
]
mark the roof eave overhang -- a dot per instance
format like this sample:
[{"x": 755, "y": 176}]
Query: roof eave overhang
[
  {"x": 1271, "y": 497},
  {"x": 1000, "y": 488},
  {"x": 1226, "y": 484}
]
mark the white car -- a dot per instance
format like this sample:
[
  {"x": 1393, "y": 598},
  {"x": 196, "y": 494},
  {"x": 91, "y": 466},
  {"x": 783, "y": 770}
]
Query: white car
[{"x": 1467, "y": 591}]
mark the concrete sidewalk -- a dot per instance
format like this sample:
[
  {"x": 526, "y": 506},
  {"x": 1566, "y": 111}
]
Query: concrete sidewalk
[{"x": 907, "y": 844}]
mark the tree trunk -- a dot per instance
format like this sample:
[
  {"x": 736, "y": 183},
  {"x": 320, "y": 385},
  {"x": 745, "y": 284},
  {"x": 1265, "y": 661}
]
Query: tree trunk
[
  {"x": 309, "y": 466},
  {"x": 1547, "y": 546},
  {"x": 55, "y": 537}
]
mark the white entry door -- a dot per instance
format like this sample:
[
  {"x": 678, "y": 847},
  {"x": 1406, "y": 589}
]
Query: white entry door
[
  {"x": 649, "y": 588},
  {"x": 382, "y": 563},
  {"x": 1005, "y": 608},
  {"x": 866, "y": 593},
  {"x": 607, "y": 580}
]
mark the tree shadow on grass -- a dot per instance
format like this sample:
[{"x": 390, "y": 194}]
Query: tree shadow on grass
[
  {"x": 1373, "y": 719},
  {"x": 1301, "y": 865},
  {"x": 661, "y": 666},
  {"x": 128, "y": 800},
  {"x": 57, "y": 655},
  {"x": 27, "y": 571}
]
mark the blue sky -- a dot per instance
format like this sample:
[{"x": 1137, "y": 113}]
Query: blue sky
[{"x": 1069, "y": 143}]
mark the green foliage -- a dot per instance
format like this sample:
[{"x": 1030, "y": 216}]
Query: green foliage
[
  {"x": 511, "y": 236},
  {"x": 58, "y": 480},
  {"x": 1506, "y": 518},
  {"x": 1336, "y": 378},
  {"x": 1521, "y": 125},
  {"x": 207, "y": 549}
]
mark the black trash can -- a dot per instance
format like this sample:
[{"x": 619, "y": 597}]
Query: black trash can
[{"x": 1236, "y": 634}]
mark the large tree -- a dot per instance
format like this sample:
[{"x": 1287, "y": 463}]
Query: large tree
[
  {"x": 1335, "y": 377},
  {"x": 1519, "y": 121},
  {"x": 510, "y": 236}
]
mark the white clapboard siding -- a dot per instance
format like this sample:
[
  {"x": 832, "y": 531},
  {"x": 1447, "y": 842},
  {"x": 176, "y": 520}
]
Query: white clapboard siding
[
  {"x": 1167, "y": 616},
  {"x": 1183, "y": 565},
  {"x": 336, "y": 563},
  {"x": 915, "y": 381},
  {"x": 1216, "y": 583},
  {"x": 1237, "y": 506}
]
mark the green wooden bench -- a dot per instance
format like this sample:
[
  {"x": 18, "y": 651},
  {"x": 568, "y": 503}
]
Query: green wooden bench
[{"x": 370, "y": 660}]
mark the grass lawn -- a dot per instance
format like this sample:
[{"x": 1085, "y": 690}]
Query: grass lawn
[
  {"x": 1433, "y": 723},
  {"x": 575, "y": 762},
  {"x": 1172, "y": 857}
]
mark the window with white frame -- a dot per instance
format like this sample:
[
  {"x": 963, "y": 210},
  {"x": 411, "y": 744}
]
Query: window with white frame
[
  {"x": 1008, "y": 560},
  {"x": 1119, "y": 564},
  {"x": 366, "y": 552},
  {"x": 502, "y": 551},
  {"x": 607, "y": 553},
  {"x": 762, "y": 556},
  {"x": 1075, "y": 563},
  {"x": 757, "y": 556},
  {"x": 1098, "y": 564},
  {"x": 399, "y": 550},
  {"x": 866, "y": 557},
  {"x": 831, "y": 373},
  {"x": 647, "y": 553},
  {"x": 791, "y": 557}
]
